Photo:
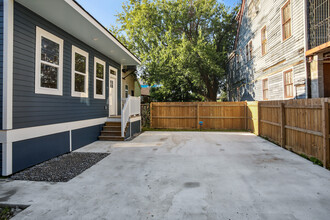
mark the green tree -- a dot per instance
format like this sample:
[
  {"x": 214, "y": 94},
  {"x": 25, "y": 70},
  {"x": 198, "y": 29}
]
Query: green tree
[{"x": 183, "y": 45}]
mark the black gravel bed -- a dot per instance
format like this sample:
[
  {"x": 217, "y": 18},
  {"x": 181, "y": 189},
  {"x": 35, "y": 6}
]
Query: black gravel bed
[
  {"x": 60, "y": 169},
  {"x": 9, "y": 211}
]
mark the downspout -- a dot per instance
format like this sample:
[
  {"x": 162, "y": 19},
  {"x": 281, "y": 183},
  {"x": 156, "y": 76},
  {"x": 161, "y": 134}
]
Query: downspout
[{"x": 307, "y": 83}]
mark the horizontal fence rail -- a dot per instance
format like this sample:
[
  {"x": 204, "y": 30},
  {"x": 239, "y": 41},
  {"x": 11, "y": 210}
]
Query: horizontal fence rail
[{"x": 301, "y": 126}]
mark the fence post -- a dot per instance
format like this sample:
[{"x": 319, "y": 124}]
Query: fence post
[
  {"x": 325, "y": 131},
  {"x": 246, "y": 114},
  {"x": 197, "y": 112},
  {"x": 150, "y": 114},
  {"x": 283, "y": 137}
]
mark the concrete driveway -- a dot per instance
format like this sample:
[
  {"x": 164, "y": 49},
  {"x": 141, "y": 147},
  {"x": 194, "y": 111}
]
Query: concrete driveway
[{"x": 182, "y": 175}]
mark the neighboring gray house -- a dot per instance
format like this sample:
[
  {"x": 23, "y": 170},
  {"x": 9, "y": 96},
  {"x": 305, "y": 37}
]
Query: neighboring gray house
[
  {"x": 60, "y": 82},
  {"x": 268, "y": 61}
]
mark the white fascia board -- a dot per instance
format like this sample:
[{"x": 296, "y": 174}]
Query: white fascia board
[{"x": 82, "y": 12}]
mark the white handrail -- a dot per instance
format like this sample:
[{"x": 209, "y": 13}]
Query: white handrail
[{"x": 131, "y": 107}]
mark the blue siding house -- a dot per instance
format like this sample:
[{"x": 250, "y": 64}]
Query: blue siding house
[{"x": 60, "y": 82}]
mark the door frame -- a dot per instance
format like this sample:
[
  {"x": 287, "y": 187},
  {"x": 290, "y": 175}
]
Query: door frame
[{"x": 115, "y": 88}]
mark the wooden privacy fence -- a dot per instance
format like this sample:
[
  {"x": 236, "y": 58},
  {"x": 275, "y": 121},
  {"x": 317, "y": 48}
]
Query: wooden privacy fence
[
  {"x": 186, "y": 115},
  {"x": 298, "y": 125}
]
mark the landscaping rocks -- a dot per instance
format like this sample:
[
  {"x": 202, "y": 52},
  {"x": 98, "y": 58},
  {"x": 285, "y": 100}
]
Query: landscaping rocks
[
  {"x": 7, "y": 212},
  {"x": 60, "y": 169}
]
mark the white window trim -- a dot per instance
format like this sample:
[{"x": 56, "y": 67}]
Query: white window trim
[
  {"x": 97, "y": 96},
  {"x": 111, "y": 76},
  {"x": 38, "y": 89},
  {"x": 73, "y": 73}
]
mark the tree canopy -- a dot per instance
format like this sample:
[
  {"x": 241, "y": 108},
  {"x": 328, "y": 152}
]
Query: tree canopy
[{"x": 183, "y": 45}]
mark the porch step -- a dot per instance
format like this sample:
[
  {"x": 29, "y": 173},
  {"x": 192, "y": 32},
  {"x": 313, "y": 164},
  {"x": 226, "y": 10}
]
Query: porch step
[
  {"x": 113, "y": 123},
  {"x": 111, "y": 128},
  {"x": 111, "y": 133},
  {"x": 111, "y": 138}
]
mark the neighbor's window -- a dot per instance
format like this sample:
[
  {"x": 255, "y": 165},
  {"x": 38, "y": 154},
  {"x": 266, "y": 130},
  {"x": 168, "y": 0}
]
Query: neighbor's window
[
  {"x": 79, "y": 82},
  {"x": 288, "y": 84},
  {"x": 263, "y": 41},
  {"x": 99, "y": 78},
  {"x": 247, "y": 52},
  {"x": 265, "y": 89},
  {"x": 49, "y": 63},
  {"x": 126, "y": 91},
  {"x": 286, "y": 21},
  {"x": 250, "y": 50}
]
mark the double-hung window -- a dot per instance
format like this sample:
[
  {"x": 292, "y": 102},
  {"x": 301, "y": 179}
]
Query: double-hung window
[
  {"x": 265, "y": 89},
  {"x": 79, "y": 79},
  {"x": 288, "y": 84},
  {"x": 286, "y": 21},
  {"x": 99, "y": 78},
  {"x": 49, "y": 63},
  {"x": 263, "y": 41},
  {"x": 250, "y": 50},
  {"x": 247, "y": 52}
]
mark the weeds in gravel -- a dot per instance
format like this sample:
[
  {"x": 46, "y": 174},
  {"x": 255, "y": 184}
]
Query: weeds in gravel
[{"x": 5, "y": 213}]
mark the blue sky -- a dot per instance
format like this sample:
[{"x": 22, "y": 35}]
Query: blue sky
[{"x": 104, "y": 10}]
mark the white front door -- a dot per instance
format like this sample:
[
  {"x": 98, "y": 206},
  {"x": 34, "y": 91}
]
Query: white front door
[{"x": 113, "y": 91}]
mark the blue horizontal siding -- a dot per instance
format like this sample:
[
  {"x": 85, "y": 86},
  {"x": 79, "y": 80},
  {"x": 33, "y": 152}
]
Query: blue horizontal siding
[
  {"x": 135, "y": 127},
  {"x": 84, "y": 136},
  {"x": 1, "y": 150},
  {"x": 36, "y": 150},
  {"x": 30, "y": 109}
]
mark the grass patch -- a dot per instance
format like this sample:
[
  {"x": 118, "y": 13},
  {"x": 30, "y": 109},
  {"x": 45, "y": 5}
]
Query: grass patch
[
  {"x": 203, "y": 130},
  {"x": 312, "y": 159}
]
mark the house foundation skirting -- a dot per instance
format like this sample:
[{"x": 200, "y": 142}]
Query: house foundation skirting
[{"x": 25, "y": 147}]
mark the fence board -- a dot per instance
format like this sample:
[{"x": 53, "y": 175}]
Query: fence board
[
  {"x": 186, "y": 115},
  {"x": 301, "y": 126}
]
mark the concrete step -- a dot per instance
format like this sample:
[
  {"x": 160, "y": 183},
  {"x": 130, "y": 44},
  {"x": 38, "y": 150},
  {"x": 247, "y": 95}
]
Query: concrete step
[
  {"x": 112, "y": 123},
  {"x": 111, "y": 138},
  {"x": 111, "y": 133},
  {"x": 111, "y": 128}
]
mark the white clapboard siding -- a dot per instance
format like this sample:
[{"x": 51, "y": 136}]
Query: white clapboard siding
[{"x": 289, "y": 52}]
